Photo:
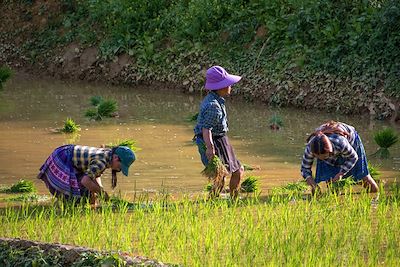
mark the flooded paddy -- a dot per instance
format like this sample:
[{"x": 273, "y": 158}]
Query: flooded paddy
[{"x": 157, "y": 118}]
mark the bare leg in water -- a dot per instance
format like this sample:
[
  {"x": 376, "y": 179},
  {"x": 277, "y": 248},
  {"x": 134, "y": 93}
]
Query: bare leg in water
[{"x": 237, "y": 176}]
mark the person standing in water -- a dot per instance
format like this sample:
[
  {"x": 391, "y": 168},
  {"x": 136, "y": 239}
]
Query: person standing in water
[
  {"x": 340, "y": 153},
  {"x": 212, "y": 126},
  {"x": 73, "y": 172}
]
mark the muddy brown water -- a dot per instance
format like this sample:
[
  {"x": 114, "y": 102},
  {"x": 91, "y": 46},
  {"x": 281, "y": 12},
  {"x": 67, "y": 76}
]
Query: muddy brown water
[{"x": 157, "y": 119}]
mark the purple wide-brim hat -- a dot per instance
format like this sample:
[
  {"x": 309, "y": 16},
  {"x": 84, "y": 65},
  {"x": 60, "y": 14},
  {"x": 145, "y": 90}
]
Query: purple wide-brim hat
[{"x": 217, "y": 78}]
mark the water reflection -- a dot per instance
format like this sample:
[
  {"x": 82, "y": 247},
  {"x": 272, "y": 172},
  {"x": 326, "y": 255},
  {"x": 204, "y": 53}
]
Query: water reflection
[{"x": 157, "y": 119}]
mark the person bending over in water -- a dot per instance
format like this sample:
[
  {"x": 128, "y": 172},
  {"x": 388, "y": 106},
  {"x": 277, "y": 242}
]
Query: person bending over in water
[
  {"x": 73, "y": 172},
  {"x": 340, "y": 154}
]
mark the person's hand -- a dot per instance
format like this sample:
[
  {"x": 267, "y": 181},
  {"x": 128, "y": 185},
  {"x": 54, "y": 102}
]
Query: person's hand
[
  {"x": 210, "y": 153},
  {"x": 315, "y": 189},
  {"x": 337, "y": 177}
]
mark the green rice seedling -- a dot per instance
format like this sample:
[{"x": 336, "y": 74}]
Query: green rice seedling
[
  {"x": 341, "y": 185},
  {"x": 194, "y": 232},
  {"x": 125, "y": 142},
  {"x": 91, "y": 113},
  {"x": 373, "y": 170},
  {"x": 247, "y": 167},
  {"x": 22, "y": 186},
  {"x": 30, "y": 197},
  {"x": 107, "y": 108},
  {"x": 208, "y": 187},
  {"x": 193, "y": 117},
  {"x": 215, "y": 171},
  {"x": 96, "y": 100},
  {"x": 290, "y": 190},
  {"x": 385, "y": 139},
  {"x": 102, "y": 108},
  {"x": 250, "y": 184},
  {"x": 275, "y": 123},
  {"x": 5, "y": 74},
  {"x": 70, "y": 126}
]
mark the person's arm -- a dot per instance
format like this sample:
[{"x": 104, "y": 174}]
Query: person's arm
[
  {"x": 306, "y": 164},
  {"x": 207, "y": 137},
  {"x": 349, "y": 154},
  {"x": 92, "y": 179}
]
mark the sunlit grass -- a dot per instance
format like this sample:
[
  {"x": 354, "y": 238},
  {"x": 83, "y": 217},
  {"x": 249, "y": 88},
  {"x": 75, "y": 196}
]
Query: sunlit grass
[{"x": 333, "y": 230}]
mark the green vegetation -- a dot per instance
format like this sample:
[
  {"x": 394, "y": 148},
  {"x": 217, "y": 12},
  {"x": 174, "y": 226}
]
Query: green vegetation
[
  {"x": 23, "y": 186},
  {"x": 126, "y": 142},
  {"x": 5, "y": 74},
  {"x": 35, "y": 256},
  {"x": 193, "y": 117},
  {"x": 102, "y": 108},
  {"x": 275, "y": 123},
  {"x": 291, "y": 190},
  {"x": 268, "y": 231},
  {"x": 215, "y": 170},
  {"x": 357, "y": 39},
  {"x": 385, "y": 139},
  {"x": 70, "y": 126},
  {"x": 250, "y": 184}
]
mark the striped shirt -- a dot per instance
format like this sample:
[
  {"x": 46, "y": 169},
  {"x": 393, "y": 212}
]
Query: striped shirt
[
  {"x": 212, "y": 115},
  {"x": 342, "y": 146},
  {"x": 92, "y": 161}
]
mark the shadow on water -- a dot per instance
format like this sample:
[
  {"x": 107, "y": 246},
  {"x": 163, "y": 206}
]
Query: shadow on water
[{"x": 157, "y": 119}]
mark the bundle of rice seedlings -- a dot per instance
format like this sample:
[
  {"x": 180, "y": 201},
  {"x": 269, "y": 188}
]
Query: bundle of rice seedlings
[
  {"x": 385, "y": 139},
  {"x": 250, "y": 184},
  {"x": 373, "y": 170},
  {"x": 291, "y": 188},
  {"x": 70, "y": 126},
  {"x": 96, "y": 100},
  {"x": 102, "y": 108},
  {"x": 342, "y": 184},
  {"x": 5, "y": 74},
  {"x": 22, "y": 186},
  {"x": 107, "y": 108},
  {"x": 275, "y": 122},
  {"x": 126, "y": 142},
  {"x": 215, "y": 171}
]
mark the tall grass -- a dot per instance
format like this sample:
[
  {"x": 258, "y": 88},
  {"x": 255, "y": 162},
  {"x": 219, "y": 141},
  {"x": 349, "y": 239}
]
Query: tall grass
[{"x": 346, "y": 230}]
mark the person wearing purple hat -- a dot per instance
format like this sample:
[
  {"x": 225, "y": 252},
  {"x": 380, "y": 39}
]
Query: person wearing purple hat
[
  {"x": 73, "y": 172},
  {"x": 212, "y": 126},
  {"x": 340, "y": 154}
]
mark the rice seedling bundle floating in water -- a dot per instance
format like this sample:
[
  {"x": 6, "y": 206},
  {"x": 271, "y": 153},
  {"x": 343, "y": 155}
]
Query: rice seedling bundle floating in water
[
  {"x": 22, "y": 186},
  {"x": 70, "y": 126},
  {"x": 385, "y": 139},
  {"x": 126, "y": 142},
  {"x": 250, "y": 184},
  {"x": 215, "y": 170}
]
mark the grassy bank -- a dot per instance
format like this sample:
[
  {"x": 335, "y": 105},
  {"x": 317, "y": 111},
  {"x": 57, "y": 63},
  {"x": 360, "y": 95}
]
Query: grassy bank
[
  {"x": 288, "y": 50},
  {"x": 347, "y": 230}
]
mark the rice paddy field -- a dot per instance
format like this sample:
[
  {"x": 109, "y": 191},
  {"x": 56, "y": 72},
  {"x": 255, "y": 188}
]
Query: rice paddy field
[
  {"x": 347, "y": 229},
  {"x": 165, "y": 214}
]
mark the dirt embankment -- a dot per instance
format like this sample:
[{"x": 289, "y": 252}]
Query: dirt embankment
[
  {"x": 66, "y": 255},
  {"x": 19, "y": 23}
]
